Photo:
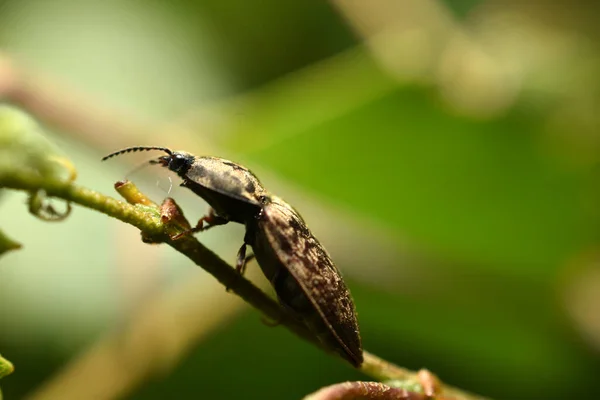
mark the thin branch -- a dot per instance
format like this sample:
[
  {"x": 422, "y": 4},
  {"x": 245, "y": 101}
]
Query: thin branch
[
  {"x": 388, "y": 372},
  {"x": 148, "y": 220},
  {"x": 365, "y": 391}
]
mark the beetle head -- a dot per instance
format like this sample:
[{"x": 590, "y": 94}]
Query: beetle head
[{"x": 177, "y": 161}]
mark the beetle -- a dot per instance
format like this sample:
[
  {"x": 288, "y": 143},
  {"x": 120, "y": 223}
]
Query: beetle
[{"x": 307, "y": 283}]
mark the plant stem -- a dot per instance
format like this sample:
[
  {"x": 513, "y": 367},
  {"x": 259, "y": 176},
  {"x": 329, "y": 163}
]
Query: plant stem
[
  {"x": 148, "y": 220},
  {"x": 150, "y": 224}
]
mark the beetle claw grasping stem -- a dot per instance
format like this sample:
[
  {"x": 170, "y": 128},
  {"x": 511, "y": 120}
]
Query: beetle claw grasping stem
[{"x": 212, "y": 219}]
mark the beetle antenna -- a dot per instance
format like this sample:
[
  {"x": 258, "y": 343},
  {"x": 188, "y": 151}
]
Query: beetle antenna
[{"x": 137, "y": 148}]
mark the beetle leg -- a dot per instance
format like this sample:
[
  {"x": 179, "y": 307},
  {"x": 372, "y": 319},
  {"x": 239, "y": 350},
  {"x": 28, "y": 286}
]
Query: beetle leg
[
  {"x": 241, "y": 261},
  {"x": 212, "y": 219}
]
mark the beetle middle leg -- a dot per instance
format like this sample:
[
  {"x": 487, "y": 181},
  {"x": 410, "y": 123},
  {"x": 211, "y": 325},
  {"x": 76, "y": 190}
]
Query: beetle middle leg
[
  {"x": 242, "y": 259},
  {"x": 241, "y": 262},
  {"x": 240, "y": 266},
  {"x": 212, "y": 219}
]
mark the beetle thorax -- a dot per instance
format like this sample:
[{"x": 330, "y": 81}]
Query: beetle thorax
[{"x": 225, "y": 177}]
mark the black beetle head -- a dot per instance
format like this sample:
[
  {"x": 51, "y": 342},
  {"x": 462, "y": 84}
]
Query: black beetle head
[{"x": 176, "y": 161}]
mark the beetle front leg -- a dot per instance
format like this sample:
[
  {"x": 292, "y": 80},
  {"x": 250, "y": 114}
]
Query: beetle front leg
[{"x": 212, "y": 219}]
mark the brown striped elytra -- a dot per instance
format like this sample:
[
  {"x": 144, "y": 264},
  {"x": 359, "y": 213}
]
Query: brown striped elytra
[{"x": 307, "y": 282}]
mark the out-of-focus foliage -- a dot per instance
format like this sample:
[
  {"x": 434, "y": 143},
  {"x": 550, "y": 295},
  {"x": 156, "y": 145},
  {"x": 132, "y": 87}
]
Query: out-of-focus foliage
[
  {"x": 7, "y": 244},
  {"x": 6, "y": 367},
  {"x": 24, "y": 147},
  {"x": 482, "y": 165}
]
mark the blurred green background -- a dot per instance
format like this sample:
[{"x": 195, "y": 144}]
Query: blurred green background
[{"x": 447, "y": 153}]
